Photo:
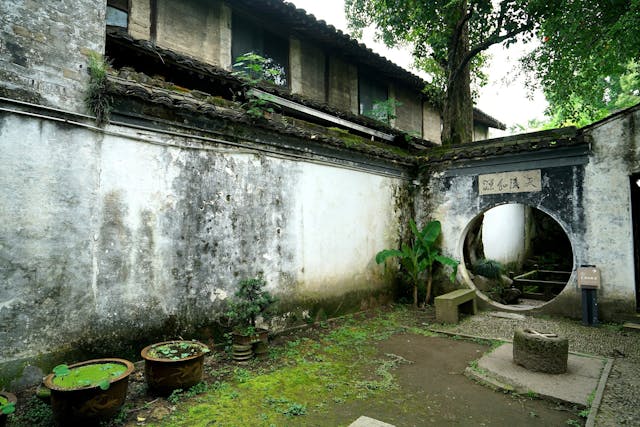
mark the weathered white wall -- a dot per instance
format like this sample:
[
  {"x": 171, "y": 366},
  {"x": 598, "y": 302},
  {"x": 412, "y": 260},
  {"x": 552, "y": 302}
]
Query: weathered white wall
[
  {"x": 108, "y": 237},
  {"x": 330, "y": 222},
  {"x": 616, "y": 156}
]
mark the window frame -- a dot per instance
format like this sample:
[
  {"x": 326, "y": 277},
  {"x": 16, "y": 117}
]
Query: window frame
[
  {"x": 122, "y": 6},
  {"x": 367, "y": 79}
]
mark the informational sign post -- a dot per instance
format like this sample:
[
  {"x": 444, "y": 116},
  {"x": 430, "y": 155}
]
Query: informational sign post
[
  {"x": 589, "y": 277},
  {"x": 589, "y": 282}
]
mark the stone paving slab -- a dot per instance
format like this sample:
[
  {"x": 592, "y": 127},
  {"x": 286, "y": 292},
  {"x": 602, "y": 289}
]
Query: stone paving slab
[
  {"x": 575, "y": 386},
  {"x": 369, "y": 422}
]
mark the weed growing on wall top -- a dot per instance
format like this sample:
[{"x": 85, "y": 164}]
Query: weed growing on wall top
[{"x": 97, "y": 98}]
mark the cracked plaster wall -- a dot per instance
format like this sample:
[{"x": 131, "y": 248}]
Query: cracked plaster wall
[{"x": 105, "y": 239}]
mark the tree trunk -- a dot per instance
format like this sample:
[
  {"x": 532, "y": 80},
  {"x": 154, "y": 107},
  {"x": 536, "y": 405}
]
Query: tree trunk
[
  {"x": 428, "y": 296},
  {"x": 415, "y": 295},
  {"x": 457, "y": 114}
]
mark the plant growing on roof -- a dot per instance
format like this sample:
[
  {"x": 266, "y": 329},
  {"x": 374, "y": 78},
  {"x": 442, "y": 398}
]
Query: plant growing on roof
[
  {"x": 255, "y": 69},
  {"x": 420, "y": 256},
  {"x": 249, "y": 302}
]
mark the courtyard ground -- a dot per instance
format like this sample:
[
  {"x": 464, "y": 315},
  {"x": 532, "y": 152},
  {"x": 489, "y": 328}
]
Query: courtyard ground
[{"x": 385, "y": 364}]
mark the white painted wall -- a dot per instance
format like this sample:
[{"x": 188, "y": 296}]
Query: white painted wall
[
  {"x": 344, "y": 219},
  {"x": 503, "y": 233}
]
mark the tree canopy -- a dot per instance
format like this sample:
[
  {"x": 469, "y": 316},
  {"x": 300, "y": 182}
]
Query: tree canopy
[
  {"x": 448, "y": 38},
  {"x": 587, "y": 57}
]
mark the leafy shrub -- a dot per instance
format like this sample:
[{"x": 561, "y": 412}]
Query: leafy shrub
[{"x": 488, "y": 268}]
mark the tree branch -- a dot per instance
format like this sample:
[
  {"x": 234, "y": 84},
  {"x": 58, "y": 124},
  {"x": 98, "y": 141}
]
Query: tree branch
[{"x": 488, "y": 42}]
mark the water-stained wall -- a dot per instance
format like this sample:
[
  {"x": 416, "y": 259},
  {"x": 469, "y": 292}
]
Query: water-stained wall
[{"x": 119, "y": 237}]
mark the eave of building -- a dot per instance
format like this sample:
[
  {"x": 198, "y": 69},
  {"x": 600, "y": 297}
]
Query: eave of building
[
  {"x": 283, "y": 14},
  {"x": 192, "y": 74},
  {"x": 480, "y": 116}
]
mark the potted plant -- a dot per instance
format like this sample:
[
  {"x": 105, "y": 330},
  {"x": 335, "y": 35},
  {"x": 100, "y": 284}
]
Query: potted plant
[
  {"x": 88, "y": 392},
  {"x": 171, "y": 365},
  {"x": 7, "y": 406},
  {"x": 250, "y": 301}
]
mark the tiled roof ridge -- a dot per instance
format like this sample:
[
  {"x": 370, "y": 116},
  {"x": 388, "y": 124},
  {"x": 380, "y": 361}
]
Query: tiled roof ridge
[{"x": 514, "y": 144}]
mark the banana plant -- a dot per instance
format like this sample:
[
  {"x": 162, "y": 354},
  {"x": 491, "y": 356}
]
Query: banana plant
[{"x": 420, "y": 256}]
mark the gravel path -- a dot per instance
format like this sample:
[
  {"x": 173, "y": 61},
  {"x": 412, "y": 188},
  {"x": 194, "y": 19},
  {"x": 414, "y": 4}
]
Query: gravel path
[{"x": 621, "y": 401}]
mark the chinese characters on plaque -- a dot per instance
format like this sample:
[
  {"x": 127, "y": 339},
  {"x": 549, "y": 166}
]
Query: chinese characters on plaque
[{"x": 510, "y": 182}]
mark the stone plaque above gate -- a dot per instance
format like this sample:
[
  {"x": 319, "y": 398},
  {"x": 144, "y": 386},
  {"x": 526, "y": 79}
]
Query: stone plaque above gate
[{"x": 510, "y": 182}]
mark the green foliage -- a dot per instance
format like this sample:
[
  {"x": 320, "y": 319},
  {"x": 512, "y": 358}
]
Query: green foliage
[
  {"x": 383, "y": 111},
  {"x": 295, "y": 409},
  {"x": 175, "y": 396},
  {"x": 97, "y": 97},
  {"x": 420, "y": 256},
  {"x": 250, "y": 301},
  {"x": 488, "y": 268},
  {"x": 255, "y": 69},
  {"x": 6, "y": 407},
  {"x": 587, "y": 61},
  {"x": 177, "y": 350},
  {"x": 37, "y": 413},
  {"x": 91, "y": 375}
]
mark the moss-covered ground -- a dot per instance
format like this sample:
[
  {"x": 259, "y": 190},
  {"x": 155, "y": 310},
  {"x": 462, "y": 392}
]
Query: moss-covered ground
[{"x": 303, "y": 376}]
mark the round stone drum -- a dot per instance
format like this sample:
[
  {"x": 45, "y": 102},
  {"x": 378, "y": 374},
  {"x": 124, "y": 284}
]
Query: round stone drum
[{"x": 540, "y": 352}]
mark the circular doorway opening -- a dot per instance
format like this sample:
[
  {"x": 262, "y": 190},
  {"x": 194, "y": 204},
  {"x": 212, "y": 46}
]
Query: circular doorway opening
[{"x": 518, "y": 256}]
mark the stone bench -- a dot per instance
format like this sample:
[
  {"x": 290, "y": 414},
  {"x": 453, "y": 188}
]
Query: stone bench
[{"x": 449, "y": 305}]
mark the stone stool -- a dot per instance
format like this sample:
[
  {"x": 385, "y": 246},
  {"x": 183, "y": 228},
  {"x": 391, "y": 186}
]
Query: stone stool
[{"x": 540, "y": 352}]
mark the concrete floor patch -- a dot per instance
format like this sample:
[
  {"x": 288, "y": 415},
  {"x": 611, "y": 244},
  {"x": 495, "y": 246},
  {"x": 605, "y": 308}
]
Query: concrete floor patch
[{"x": 575, "y": 386}]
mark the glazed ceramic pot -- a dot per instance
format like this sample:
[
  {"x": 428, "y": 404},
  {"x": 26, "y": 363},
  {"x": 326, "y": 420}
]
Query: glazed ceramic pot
[
  {"x": 89, "y": 403},
  {"x": 171, "y": 365}
]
